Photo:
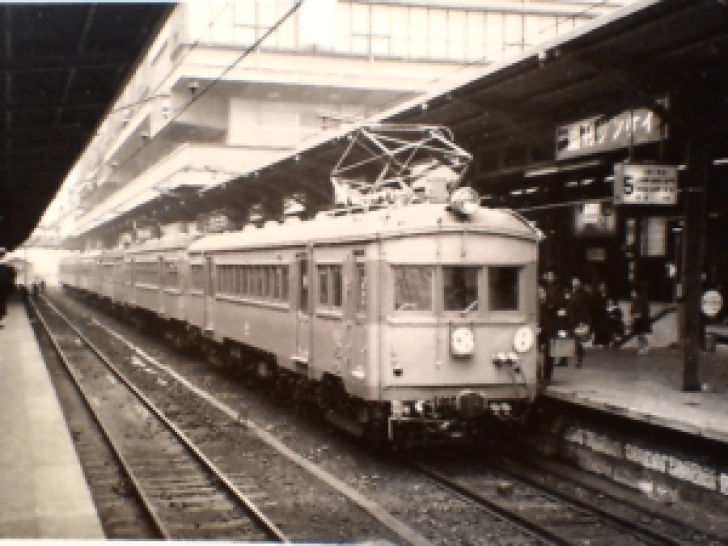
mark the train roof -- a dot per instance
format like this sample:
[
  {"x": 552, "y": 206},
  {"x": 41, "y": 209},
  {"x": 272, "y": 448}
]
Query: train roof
[
  {"x": 174, "y": 242},
  {"x": 365, "y": 226}
]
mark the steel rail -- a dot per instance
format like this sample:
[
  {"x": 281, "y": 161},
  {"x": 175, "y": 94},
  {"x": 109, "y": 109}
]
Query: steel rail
[
  {"x": 624, "y": 524},
  {"x": 620, "y": 523},
  {"x": 126, "y": 468},
  {"x": 270, "y": 528},
  {"x": 527, "y": 525}
]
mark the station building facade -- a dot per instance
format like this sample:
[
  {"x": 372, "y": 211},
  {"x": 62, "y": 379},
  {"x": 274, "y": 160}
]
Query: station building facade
[{"x": 227, "y": 87}]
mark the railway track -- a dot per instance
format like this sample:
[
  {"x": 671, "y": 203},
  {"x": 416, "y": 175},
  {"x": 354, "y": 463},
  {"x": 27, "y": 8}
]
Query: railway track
[
  {"x": 559, "y": 513},
  {"x": 185, "y": 496},
  {"x": 496, "y": 504}
]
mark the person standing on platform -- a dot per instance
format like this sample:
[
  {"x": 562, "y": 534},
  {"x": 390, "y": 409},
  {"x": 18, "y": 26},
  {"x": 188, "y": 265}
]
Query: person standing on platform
[
  {"x": 7, "y": 279},
  {"x": 640, "y": 313},
  {"x": 579, "y": 316},
  {"x": 615, "y": 324},
  {"x": 547, "y": 329},
  {"x": 562, "y": 325},
  {"x": 599, "y": 316}
]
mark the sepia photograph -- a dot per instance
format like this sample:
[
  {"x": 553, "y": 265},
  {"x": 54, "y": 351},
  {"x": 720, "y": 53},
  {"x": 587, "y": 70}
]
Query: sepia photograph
[{"x": 365, "y": 272}]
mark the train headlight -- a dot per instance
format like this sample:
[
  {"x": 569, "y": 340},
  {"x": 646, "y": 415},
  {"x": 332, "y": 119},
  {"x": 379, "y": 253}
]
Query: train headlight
[
  {"x": 462, "y": 341},
  {"x": 465, "y": 201},
  {"x": 523, "y": 339}
]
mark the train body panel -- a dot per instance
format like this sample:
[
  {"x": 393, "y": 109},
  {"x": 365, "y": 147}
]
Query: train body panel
[
  {"x": 252, "y": 301},
  {"x": 428, "y": 311}
]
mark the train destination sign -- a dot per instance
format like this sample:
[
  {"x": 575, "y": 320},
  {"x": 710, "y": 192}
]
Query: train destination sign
[
  {"x": 602, "y": 133},
  {"x": 645, "y": 184}
]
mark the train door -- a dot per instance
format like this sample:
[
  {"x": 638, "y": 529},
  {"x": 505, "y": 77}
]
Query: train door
[
  {"x": 356, "y": 315},
  {"x": 209, "y": 292},
  {"x": 303, "y": 311}
]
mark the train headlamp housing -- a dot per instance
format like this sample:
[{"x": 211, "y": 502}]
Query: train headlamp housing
[
  {"x": 462, "y": 341},
  {"x": 465, "y": 201},
  {"x": 523, "y": 339}
]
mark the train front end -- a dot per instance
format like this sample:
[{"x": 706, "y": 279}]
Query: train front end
[{"x": 458, "y": 338}]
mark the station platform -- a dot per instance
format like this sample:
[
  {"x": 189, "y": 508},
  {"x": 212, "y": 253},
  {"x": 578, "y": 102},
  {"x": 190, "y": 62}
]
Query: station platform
[
  {"x": 43, "y": 492},
  {"x": 648, "y": 388}
]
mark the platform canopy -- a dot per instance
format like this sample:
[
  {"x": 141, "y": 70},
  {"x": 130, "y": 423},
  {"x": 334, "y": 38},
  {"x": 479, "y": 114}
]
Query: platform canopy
[
  {"x": 634, "y": 58},
  {"x": 63, "y": 64}
]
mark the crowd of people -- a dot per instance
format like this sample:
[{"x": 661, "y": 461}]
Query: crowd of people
[{"x": 584, "y": 313}]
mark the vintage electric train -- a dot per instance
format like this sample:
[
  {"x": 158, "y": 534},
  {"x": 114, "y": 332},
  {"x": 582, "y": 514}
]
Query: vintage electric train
[{"x": 409, "y": 322}]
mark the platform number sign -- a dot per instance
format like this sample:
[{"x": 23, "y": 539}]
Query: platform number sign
[{"x": 645, "y": 184}]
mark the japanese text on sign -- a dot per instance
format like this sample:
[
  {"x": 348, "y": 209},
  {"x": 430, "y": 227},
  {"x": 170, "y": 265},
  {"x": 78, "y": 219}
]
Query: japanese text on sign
[
  {"x": 645, "y": 184},
  {"x": 601, "y": 133}
]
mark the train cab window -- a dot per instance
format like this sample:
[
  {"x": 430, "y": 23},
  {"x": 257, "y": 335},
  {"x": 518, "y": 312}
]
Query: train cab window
[
  {"x": 413, "y": 287},
  {"x": 460, "y": 288},
  {"x": 503, "y": 288}
]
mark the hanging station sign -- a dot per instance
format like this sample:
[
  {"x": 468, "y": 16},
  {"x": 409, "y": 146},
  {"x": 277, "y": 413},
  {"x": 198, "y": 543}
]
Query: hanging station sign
[
  {"x": 594, "y": 219},
  {"x": 610, "y": 132},
  {"x": 645, "y": 184}
]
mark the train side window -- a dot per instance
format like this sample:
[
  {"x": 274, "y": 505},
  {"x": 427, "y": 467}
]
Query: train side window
[
  {"x": 413, "y": 287},
  {"x": 284, "y": 283},
  {"x": 172, "y": 275},
  {"x": 260, "y": 281},
  {"x": 362, "y": 291},
  {"x": 503, "y": 288},
  {"x": 460, "y": 288},
  {"x": 323, "y": 275},
  {"x": 271, "y": 277},
  {"x": 336, "y": 285},
  {"x": 303, "y": 285},
  {"x": 196, "y": 277},
  {"x": 246, "y": 277},
  {"x": 276, "y": 282}
]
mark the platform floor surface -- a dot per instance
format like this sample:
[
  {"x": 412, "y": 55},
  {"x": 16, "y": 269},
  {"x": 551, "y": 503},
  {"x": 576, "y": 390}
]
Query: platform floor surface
[
  {"x": 43, "y": 492},
  {"x": 649, "y": 388}
]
